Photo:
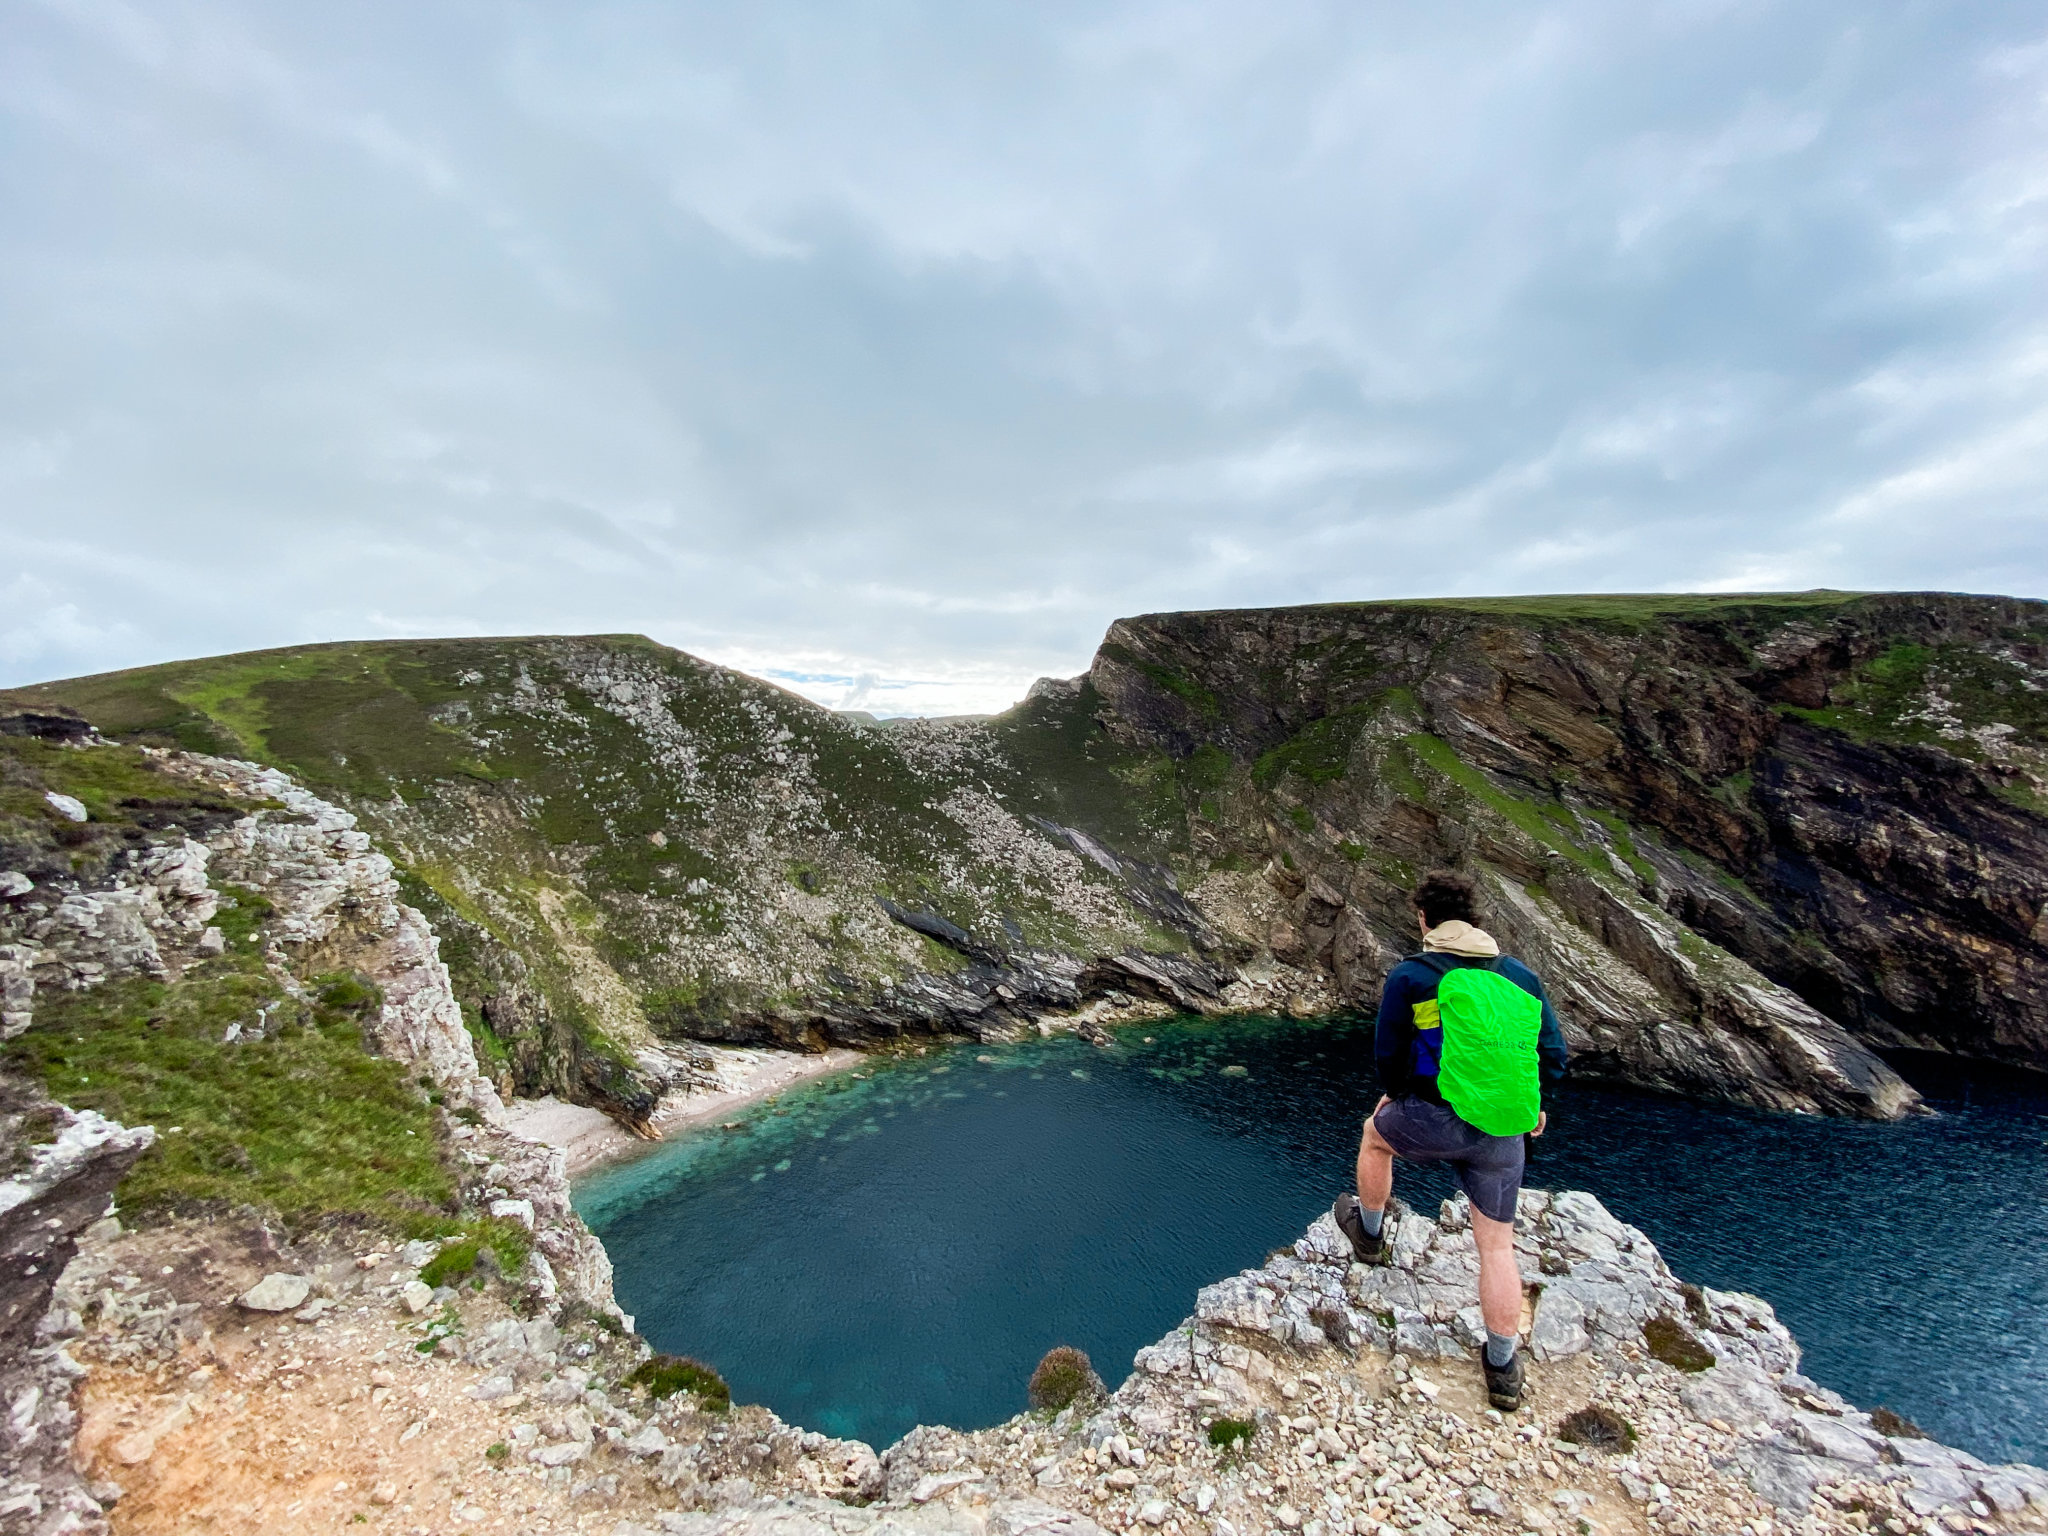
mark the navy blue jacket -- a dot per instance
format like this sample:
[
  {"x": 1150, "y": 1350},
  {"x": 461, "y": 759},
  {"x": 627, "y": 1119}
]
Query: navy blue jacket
[{"x": 1407, "y": 1048}]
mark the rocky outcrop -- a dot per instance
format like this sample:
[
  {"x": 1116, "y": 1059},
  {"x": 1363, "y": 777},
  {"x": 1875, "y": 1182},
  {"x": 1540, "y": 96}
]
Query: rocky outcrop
[
  {"x": 59, "y": 1187},
  {"x": 1708, "y": 1382}
]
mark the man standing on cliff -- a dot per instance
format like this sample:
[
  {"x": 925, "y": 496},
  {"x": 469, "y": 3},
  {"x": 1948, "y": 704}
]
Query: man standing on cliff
[{"x": 1466, "y": 1041}]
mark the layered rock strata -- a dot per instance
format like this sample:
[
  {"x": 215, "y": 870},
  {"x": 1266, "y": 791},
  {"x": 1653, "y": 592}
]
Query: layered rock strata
[{"x": 1748, "y": 844}]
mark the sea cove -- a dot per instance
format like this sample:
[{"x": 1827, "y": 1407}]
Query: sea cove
[{"x": 899, "y": 1244}]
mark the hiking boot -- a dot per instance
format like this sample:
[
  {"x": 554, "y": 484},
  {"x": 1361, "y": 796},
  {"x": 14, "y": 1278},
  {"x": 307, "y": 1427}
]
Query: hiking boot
[
  {"x": 1370, "y": 1250},
  {"x": 1503, "y": 1382}
]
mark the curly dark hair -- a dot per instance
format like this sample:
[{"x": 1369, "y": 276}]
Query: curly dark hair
[{"x": 1444, "y": 895}]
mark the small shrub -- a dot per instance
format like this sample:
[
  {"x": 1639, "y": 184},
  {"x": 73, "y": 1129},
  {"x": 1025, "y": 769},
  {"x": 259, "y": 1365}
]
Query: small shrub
[
  {"x": 497, "y": 1452},
  {"x": 455, "y": 1260},
  {"x": 666, "y": 1375},
  {"x": 493, "y": 1244},
  {"x": 347, "y": 993},
  {"x": 1670, "y": 1342},
  {"x": 1064, "y": 1375},
  {"x": 1696, "y": 1304},
  {"x": 1896, "y": 1425},
  {"x": 1229, "y": 1434},
  {"x": 1599, "y": 1429}
]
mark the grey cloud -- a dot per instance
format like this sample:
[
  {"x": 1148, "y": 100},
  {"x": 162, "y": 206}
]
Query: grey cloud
[{"x": 894, "y": 350}]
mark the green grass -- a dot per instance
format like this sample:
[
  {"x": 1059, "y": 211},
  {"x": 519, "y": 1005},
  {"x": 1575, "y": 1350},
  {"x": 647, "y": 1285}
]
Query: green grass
[
  {"x": 1668, "y": 1340},
  {"x": 1231, "y": 1434},
  {"x": 129, "y": 802},
  {"x": 348, "y": 716},
  {"x": 1203, "y": 701},
  {"x": 666, "y": 1375},
  {"x": 1548, "y": 824},
  {"x": 1639, "y": 610},
  {"x": 1888, "y": 698},
  {"x": 1061, "y": 764},
  {"x": 1319, "y": 753},
  {"x": 304, "y": 1122},
  {"x": 1625, "y": 846},
  {"x": 508, "y": 1242},
  {"x": 1064, "y": 1375},
  {"x": 1206, "y": 769}
]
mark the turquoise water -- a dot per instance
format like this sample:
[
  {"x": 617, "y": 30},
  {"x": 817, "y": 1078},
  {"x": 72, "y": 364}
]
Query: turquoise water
[{"x": 902, "y": 1245}]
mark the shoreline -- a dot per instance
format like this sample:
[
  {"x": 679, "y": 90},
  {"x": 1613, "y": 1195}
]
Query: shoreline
[{"x": 590, "y": 1139}]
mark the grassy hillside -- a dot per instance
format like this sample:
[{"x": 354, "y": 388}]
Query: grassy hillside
[{"x": 619, "y": 841}]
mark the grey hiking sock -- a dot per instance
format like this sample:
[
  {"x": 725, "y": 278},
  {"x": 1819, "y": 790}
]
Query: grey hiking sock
[
  {"x": 1372, "y": 1220},
  {"x": 1500, "y": 1349}
]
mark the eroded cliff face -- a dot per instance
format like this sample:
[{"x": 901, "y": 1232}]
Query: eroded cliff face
[{"x": 1745, "y": 842}]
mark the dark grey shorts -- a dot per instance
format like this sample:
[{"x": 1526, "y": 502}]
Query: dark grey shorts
[{"x": 1489, "y": 1168}]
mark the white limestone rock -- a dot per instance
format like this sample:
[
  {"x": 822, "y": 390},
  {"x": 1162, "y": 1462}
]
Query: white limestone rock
[{"x": 277, "y": 1293}]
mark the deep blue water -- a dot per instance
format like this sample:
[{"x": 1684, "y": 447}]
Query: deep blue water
[{"x": 874, "y": 1251}]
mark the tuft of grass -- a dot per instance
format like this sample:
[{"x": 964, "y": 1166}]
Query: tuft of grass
[
  {"x": 497, "y": 1451},
  {"x": 1598, "y": 1428},
  {"x": 1231, "y": 1434},
  {"x": 491, "y": 1240},
  {"x": 666, "y": 1375},
  {"x": 241, "y": 915},
  {"x": 1671, "y": 1342},
  {"x": 1625, "y": 846},
  {"x": 305, "y": 1122},
  {"x": 1206, "y": 769},
  {"x": 1064, "y": 1376}
]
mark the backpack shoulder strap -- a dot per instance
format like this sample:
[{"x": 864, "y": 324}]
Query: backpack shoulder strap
[{"x": 1444, "y": 964}]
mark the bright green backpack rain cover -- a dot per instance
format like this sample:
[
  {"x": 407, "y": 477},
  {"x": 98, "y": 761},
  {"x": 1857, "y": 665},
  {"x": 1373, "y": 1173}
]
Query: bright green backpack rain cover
[{"x": 1487, "y": 1070}]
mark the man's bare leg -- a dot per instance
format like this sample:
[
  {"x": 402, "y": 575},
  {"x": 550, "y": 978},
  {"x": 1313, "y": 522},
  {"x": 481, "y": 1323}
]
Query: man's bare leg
[
  {"x": 1500, "y": 1277},
  {"x": 1375, "y": 1170}
]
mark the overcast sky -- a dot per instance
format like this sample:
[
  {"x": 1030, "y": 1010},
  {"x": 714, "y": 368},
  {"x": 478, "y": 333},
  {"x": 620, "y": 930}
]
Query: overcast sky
[{"x": 893, "y": 349}]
